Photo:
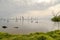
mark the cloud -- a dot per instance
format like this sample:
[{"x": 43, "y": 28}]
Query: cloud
[{"x": 8, "y": 7}]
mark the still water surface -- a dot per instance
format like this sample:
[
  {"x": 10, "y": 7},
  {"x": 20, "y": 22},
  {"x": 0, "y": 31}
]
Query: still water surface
[{"x": 28, "y": 26}]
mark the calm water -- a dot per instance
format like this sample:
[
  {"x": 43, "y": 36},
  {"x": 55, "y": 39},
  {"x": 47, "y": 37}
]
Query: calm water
[{"x": 28, "y": 26}]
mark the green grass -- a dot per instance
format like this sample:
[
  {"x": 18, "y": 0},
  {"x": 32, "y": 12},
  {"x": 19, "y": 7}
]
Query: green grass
[{"x": 53, "y": 35}]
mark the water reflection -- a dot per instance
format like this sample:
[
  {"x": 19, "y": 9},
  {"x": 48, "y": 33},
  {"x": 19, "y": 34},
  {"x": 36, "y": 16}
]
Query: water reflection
[
  {"x": 57, "y": 24},
  {"x": 21, "y": 19},
  {"x": 27, "y": 25}
]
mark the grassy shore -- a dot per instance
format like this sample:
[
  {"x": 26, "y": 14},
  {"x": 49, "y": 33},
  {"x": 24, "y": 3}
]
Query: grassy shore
[{"x": 53, "y": 35}]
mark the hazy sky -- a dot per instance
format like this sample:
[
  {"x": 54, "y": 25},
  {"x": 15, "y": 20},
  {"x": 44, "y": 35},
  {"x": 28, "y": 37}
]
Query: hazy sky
[{"x": 10, "y": 8}]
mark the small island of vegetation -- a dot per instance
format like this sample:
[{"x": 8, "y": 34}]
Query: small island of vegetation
[{"x": 56, "y": 18}]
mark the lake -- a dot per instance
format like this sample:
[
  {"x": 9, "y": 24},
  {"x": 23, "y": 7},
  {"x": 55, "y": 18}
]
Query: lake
[{"x": 24, "y": 26}]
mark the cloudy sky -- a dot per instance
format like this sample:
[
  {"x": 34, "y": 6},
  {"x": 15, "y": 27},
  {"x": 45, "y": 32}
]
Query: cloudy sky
[{"x": 11, "y": 8}]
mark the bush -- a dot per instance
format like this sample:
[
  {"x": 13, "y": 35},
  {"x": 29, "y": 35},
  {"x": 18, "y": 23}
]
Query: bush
[{"x": 56, "y": 18}]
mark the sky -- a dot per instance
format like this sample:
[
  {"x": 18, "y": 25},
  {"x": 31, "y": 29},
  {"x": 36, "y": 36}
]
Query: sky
[{"x": 42, "y": 8}]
